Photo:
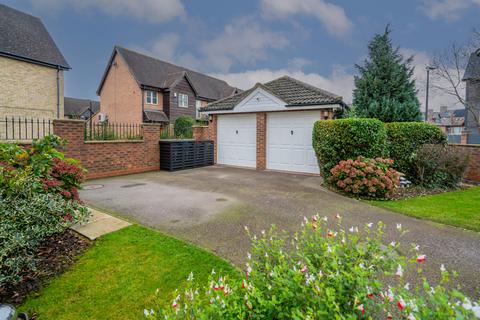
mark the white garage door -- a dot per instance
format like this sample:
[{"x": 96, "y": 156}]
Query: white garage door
[
  {"x": 236, "y": 140},
  {"x": 289, "y": 141}
]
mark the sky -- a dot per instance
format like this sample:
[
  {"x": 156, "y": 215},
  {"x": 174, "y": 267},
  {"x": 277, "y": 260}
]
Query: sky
[{"x": 249, "y": 41}]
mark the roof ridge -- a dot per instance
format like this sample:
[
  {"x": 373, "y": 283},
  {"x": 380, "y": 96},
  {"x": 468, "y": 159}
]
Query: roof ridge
[
  {"x": 332, "y": 95},
  {"x": 170, "y": 63}
]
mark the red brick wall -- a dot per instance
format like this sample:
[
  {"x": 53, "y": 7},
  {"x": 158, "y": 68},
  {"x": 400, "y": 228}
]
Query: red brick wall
[
  {"x": 261, "y": 140},
  {"x": 110, "y": 158},
  {"x": 473, "y": 169}
]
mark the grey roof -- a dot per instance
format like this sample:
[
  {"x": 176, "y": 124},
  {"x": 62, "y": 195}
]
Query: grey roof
[
  {"x": 155, "y": 115},
  {"x": 152, "y": 72},
  {"x": 293, "y": 92},
  {"x": 472, "y": 72},
  {"x": 77, "y": 107},
  {"x": 24, "y": 37}
]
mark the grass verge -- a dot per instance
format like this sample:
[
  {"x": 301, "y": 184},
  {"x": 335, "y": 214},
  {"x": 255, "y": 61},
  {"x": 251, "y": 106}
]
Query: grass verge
[
  {"x": 457, "y": 208},
  {"x": 117, "y": 278}
]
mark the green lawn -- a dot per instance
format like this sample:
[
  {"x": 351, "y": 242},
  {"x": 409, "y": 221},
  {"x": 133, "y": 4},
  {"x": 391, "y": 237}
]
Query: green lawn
[
  {"x": 117, "y": 278},
  {"x": 457, "y": 208}
]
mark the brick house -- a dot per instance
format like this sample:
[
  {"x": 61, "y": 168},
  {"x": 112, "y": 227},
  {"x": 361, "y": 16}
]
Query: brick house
[
  {"x": 270, "y": 125},
  {"x": 137, "y": 88},
  {"x": 472, "y": 96},
  {"x": 31, "y": 68}
]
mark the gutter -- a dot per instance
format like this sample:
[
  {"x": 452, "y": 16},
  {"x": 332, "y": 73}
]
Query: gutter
[{"x": 58, "y": 92}]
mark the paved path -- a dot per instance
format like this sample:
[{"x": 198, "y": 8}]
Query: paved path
[
  {"x": 99, "y": 224},
  {"x": 210, "y": 206}
]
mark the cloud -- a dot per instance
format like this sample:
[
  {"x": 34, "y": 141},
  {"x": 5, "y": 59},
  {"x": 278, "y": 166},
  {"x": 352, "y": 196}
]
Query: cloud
[
  {"x": 450, "y": 10},
  {"x": 243, "y": 41},
  {"x": 338, "y": 82},
  {"x": 332, "y": 16},
  {"x": 341, "y": 82},
  {"x": 147, "y": 10}
]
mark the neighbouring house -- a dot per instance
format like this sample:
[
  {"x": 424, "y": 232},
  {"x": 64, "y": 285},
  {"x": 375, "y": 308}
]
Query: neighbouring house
[
  {"x": 137, "y": 88},
  {"x": 450, "y": 121},
  {"x": 270, "y": 125},
  {"x": 83, "y": 109},
  {"x": 31, "y": 68},
  {"x": 472, "y": 96}
]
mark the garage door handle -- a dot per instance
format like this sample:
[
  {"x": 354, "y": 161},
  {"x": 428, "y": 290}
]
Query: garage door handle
[{"x": 291, "y": 132}]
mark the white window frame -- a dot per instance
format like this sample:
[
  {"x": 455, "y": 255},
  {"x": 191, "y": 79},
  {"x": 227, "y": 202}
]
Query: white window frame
[
  {"x": 182, "y": 100},
  {"x": 151, "y": 96}
]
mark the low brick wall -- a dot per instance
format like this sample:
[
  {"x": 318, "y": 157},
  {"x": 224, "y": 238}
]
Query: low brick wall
[
  {"x": 110, "y": 158},
  {"x": 473, "y": 169}
]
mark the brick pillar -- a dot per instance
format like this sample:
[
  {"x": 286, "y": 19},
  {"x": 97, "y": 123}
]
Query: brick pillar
[
  {"x": 151, "y": 138},
  {"x": 212, "y": 135},
  {"x": 464, "y": 137},
  {"x": 261, "y": 140},
  {"x": 73, "y": 132}
]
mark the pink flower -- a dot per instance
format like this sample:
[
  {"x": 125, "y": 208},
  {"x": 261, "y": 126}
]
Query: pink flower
[
  {"x": 421, "y": 258},
  {"x": 399, "y": 271},
  {"x": 361, "y": 308},
  {"x": 215, "y": 287},
  {"x": 304, "y": 269},
  {"x": 174, "y": 304}
]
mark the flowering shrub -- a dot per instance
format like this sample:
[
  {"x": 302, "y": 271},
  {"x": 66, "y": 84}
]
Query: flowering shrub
[
  {"x": 372, "y": 178},
  {"x": 55, "y": 173},
  {"x": 322, "y": 273},
  {"x": 38, "y": 198},
  {"x": 65, "y": 177}
]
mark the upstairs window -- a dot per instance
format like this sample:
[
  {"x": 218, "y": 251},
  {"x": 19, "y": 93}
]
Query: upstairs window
[
  {"x": 152, "y": 97},
  {"x": 183, "y": 100}
]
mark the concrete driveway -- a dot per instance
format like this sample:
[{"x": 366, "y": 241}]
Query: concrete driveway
[{"x": 210, "y": 207}]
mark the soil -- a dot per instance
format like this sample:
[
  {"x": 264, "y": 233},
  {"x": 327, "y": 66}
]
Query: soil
[{"x": 54, "y": 255}]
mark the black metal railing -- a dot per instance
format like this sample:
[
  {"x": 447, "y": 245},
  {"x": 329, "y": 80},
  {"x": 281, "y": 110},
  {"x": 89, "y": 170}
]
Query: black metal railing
[
  {"x": 12, "y": 128},
  {"x": 112, "y": 131}
]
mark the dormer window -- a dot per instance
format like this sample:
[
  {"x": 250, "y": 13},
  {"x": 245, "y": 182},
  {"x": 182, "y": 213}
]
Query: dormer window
[
  {"x": 152, "y": 97},
  {"x": 183, "y": 100}
]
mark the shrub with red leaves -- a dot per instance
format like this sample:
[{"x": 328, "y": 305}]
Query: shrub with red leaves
[
  {"x": 65, "y": 178},
  {"x": 366, "y": 177}
]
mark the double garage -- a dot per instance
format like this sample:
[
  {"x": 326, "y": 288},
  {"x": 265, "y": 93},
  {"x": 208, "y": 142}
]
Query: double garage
[
  {"x": 288, "y": 143},
  {"x": 270, "y": 126}
]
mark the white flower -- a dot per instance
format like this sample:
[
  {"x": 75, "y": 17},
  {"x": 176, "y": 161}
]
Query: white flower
[
  {"x": 190, "y": 277},
  {"x": 146, "y": 313},
  {"x": 213, "y": 271},
  {"x": 399, "y": 226},
  {"x": 266, "y": 255},
  {"x": 320, "y": 274},
  {"x": 442, "y": 268},
  {"x": 338, "y": 216},
  {"x": 393, "y": 243},
  {"x": 411, "y": 317},
  {"x": 246, "y": 228},
  {"x": 407, "y": 286},
  {"x": 476, "y": 310},
  {"x": 305, "y": 219},
  {"x": 399, "y": 271},
  {"x": 416, "y": 248},
  {"x": 325, "y": 218},
  {"x": 263, "y": 232},
  {"x": 369, "y": 224},
  {"x": 249, "y": 255},
  {"x": 329, "y": 250}
]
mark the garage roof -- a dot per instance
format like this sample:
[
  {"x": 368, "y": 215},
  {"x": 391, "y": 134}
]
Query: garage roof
[{"x": 293, "y": 92}]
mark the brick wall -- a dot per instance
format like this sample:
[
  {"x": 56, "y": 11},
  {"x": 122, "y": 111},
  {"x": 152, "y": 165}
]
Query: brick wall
[
  {"x": 120, "y": 96},
  {"x": 110, "y": 158},
  {"x": 29, "y": 90},
  {"x": 473, "y": 169},
  {"x": 261, "y": 140}
]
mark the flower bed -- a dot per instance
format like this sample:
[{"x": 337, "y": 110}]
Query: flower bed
[
  {"x": 323, "y": 273},
  {"x": 38, "y": 199}
]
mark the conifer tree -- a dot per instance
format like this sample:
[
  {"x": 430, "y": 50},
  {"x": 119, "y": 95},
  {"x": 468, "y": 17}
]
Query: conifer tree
[{"x": 385, "y": 88}]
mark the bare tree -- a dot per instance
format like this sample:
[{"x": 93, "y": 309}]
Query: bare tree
[{"x": 449, "y": 69}]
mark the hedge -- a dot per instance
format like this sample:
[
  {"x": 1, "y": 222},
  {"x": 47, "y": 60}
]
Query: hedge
[
  {"x": 404, "y": 138},
  {"x": 343, "y": 139},
  {"x": 183, "y": 127}
]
